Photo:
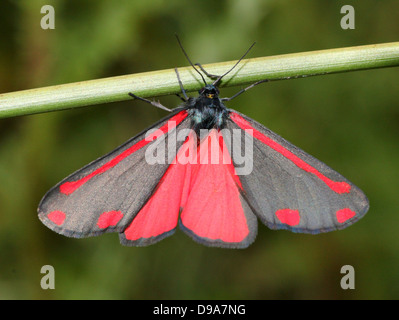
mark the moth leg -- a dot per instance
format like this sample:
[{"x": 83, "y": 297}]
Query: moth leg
[
  {"x": 181, "y": 98},
  {"x": 185, "y": 99},
  {"x": 245, "y": 89},
  {"x": 152, "y": 102}
]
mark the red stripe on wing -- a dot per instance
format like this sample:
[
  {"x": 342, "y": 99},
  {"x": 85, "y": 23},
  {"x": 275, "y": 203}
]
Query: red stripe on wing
[
  {"x": 70, "y": 186},
  {"x": 212, "y": 209},
  {"x": 161, "y": 212},
  {"x": 202, "y": 183},
  {"x": 338, "y": 187}
]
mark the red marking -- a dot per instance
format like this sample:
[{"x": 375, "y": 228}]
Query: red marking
[
  {"x": 189, "y": 163},
  {"x": 345, "y": 214},
  {"x": 108, "y": 219},
  {"x": 228, "y": 162},
  {"x": 288, "y": 216},
  {"x": 212, "y": 207},
  {"x": 161, "y": 212},
  {"x": 207, "y": 194},
  {"x": 338, "y": 187},
  {"x": 70, "y": 186},
  {"x": 58, "y": 217}
]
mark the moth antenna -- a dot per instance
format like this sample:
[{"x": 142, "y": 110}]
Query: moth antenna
[
  {"x": 181, "y": 46},
  {"x": 216, "y": 83}
]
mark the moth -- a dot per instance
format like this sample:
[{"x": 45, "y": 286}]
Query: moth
[{"x": 202, "y": 187}]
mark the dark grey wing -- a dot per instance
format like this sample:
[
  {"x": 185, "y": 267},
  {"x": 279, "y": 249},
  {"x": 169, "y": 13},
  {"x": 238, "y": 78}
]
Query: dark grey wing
[
  {"x": 288, "y": 188},
  {"x": 106, "y": 195}
]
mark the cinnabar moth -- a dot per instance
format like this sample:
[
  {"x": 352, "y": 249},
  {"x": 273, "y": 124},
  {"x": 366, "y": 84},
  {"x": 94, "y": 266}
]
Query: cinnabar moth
[{"x": 200, "y": 189}]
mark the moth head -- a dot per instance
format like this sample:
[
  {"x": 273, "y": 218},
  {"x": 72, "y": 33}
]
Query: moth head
[{"x": 209, "y": 91}]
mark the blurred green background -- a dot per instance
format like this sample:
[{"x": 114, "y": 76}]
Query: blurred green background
[{"x": 349, "y": 121}]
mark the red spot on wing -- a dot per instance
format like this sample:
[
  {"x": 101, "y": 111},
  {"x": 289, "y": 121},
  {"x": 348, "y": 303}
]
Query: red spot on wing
[
  {"x": 58, "y": 217},
  {"x": 288, "y": 216},
  {"x": 344, "y": 215},
  {"x": 212, "y": 208},
  {"x": 69, "y": 187},
  {"x": 108, "y": 219},
  {"x": 338, "y": 187}
]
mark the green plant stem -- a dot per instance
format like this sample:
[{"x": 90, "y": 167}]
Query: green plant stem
[{"x": 164, "y": 82}]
